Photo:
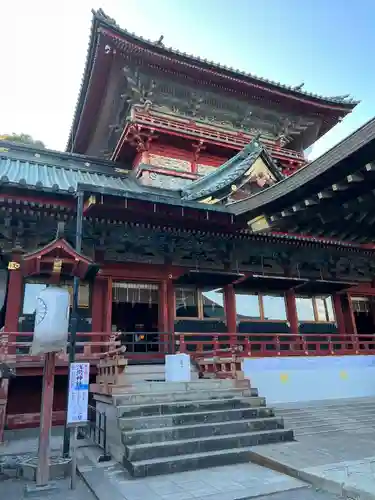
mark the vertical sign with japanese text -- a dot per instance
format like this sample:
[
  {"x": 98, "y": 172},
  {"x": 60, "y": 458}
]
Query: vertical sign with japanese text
[{"x": 78, "y": 398}]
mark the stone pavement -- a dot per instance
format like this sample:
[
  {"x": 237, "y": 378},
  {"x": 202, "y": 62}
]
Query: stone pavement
[
  {"x": 109, "y": 480},
  {"x": 13, "y": 489},
  {"x": 335, "y": 448},
  {"x": 26, "y": 441},
  {"x": 301, "y": 494}
]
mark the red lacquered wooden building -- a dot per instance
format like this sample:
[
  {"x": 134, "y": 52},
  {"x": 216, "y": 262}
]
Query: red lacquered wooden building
[{"x": 204, "y": 228}]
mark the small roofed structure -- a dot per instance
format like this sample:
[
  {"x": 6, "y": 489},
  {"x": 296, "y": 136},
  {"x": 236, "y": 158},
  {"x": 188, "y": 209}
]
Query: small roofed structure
[{"x": 58, "y": 258}]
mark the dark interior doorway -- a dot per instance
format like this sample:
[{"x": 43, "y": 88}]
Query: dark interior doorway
[
  {"x": 364, "y": 323},
  {"x": 364, "y": 320},
  {"x": 135, "y": 313}
]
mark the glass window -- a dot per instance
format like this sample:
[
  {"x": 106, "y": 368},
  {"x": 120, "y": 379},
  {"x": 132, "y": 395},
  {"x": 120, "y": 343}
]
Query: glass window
[
  {"x": 305, "y": 309},
  {"x": 315, "y": 309},
  {"x": 31, "y": 292},
  {"x": 247, "y": 306},
  {"x": 213, "y": 304},
  {"x": 274, "y": 307},
  {"x": 324, "y": 309},
  {"x": 186, "y": 303}
]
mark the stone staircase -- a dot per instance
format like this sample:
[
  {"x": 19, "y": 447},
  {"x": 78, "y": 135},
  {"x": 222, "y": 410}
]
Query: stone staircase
[
  {"x": 158, "y": 427},
  {"x": 325, "y": 417}
]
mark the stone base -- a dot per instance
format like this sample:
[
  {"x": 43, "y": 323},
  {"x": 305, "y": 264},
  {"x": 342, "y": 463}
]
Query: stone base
[
  {"x": 39, "y": 491},
  {"x": 59, "y": 468}
]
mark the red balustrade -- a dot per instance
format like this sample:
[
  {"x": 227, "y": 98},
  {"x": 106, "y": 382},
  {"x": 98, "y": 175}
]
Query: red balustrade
[
  {"x": 15, "y": 347},
  {"x": 274, "y": 344},
  {"x": 91, "y": 346}
]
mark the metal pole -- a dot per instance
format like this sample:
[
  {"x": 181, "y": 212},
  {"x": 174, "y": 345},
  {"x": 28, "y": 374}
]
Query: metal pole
[
  {"x": 74, "y": 319},
  {"x": 42, "y": 474},
  {"x": 73, "y": 478}
]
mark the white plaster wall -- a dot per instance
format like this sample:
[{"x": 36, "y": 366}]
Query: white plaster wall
[{"x": 287, "y": 380}]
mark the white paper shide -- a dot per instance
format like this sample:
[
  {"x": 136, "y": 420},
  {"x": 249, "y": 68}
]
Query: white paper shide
[{"x": 51, "y": 320}]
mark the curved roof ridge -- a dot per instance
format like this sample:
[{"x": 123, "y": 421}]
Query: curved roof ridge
[
  {"x": 333, "y": 156},
  {"x": 345, "y": 99}
]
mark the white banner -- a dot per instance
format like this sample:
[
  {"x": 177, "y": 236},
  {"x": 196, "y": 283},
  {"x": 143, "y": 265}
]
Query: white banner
[{"x": 78, "y": 398}]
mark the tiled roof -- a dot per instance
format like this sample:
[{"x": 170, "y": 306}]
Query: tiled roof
[
  {"x": 104, "y": 18},
  {"x": 28, "y": 167},
  {"x": 101, "y": 19},
  {"x": 309, "y": 173},
  {"x": 51, "y": 178},
  {"x": 231, "y": 175},
  {"x": 50, "y": 171},
  {"x": 45, "y": 170}
]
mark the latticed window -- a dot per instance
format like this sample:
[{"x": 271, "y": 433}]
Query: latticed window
[
  {"x": 135, "y": 293},
  {"x": 361, "y": 305}
]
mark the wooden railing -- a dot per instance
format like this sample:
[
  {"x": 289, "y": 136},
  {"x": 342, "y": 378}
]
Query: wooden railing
[
  {"x": 15, "y": 347},
  {"x": 274, "y": 344},
  {"x": 91, "y": 346}
]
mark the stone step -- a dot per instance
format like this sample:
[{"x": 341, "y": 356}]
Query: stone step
[
  {"x": 206, "y": 444},
  {"x": 184, "y": 463},
  {"x": 172, "y": 407},
  {"x": 145, "y": 398},
  {"x": 196, "y": 417},
  {"x": 194, "y": 461},
  {"x": 198, "y": 431},
  {"x": 194, "y": 385}
]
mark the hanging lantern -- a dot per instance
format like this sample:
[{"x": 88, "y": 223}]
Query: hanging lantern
[{"x": 51, "y": 320}]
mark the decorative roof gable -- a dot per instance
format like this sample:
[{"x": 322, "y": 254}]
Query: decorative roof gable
[{"x": 251, "y": 164}]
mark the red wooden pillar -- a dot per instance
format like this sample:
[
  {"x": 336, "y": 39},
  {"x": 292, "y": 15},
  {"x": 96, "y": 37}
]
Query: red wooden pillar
[
  {"x": 349, "y": 319},
  {"x": 171, "y": 312},
  {"x": 108, "y": 308},
  {"x": 230, "y": 312},
  {"x": 372, "y": 308},
  {"x": 98, "y": 310},
  {"x": 163, "y": 317},
  {"x": 291, "y": 311},
  {"x": 13, "y": 309},
  {"x": 14, "y": 302},
  {"x": 339, "y": 313},
  {"x": 4, "y": 385}
]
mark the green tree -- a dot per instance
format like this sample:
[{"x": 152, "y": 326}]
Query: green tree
[{"x": 23, "y": 139}]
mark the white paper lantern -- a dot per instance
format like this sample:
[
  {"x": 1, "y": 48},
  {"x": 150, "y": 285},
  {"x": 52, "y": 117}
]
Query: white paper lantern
[{"x": 51, "y": 320}]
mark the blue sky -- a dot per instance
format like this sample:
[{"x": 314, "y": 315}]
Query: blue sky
[{"x": 328, "y": 45}]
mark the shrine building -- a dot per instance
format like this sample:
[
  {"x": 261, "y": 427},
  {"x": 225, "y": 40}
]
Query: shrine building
[{"x": 204, "y": 227}]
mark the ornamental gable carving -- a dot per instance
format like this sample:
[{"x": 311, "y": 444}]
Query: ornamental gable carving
[{"x": 170, "y": 163}]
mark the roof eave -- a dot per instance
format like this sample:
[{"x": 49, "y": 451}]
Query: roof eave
[
  {"x": 337, "y": 104},
  {"x": 331, "y": 159},
  {"x": 84, "y": 81}
]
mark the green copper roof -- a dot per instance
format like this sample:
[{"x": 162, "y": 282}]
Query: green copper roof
[
  {"x": 41, "y": 170},
  {"x": 44, "y": 170},
  {"x": 231, "y": 175}
]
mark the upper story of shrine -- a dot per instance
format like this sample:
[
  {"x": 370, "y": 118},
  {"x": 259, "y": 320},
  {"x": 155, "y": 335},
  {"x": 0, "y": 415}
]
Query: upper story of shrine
[{"x": 142, "y": 104}]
